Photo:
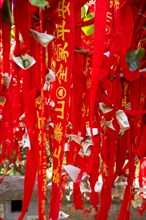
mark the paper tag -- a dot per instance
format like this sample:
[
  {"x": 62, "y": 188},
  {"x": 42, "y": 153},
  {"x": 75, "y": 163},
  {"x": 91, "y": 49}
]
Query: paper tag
[
  {"x": 122, "y": 121},
  {"x": 94, "y": 131}
]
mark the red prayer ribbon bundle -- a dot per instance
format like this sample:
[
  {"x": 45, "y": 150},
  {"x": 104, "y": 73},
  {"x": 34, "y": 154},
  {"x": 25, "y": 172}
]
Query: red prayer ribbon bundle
[{"x": 73, "y": 101}]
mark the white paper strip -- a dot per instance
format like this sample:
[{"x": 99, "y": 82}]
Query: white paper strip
[{"x": 94, "y": 131}]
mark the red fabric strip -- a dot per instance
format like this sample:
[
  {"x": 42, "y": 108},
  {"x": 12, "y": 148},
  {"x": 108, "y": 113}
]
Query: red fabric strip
[
  {"x": 65, "y": 39},
  {"x": 98, "y": 51}
]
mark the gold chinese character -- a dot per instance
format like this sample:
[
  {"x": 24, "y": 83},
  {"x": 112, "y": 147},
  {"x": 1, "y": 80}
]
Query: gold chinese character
[
  {"x": 58, "y": 132},
  {"x": 88, "y": 65},
  {"x": 60, "y": 92},
  {"x": 41, "y": 121},
  {"x": 107, "y": 29},
  {"x": 61, "y": 30},
  {"x": 88, "y": 83},
  {"x": 62, "y": 8},
  {"x": 111, "y": 3},
  {"x": 57, "y": 153},
  {"x": 85, "y": 111},
  {"x": 40, "y": 137},
  {"x": 62, "y": 54},
  {"x": 108, "y": 16},
  {"x": 105, "y": 169},
  {"x": 115, "y": 4},
  {"x": 62, "y": 74},
  {"x": 56, "y": 176},
  {"x": 60, "y": 109},
  {"x": 142, "y": 98},
  {"x": 124, "y": 102}
]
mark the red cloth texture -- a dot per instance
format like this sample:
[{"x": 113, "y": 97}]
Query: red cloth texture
[{"x": 71, "y": 103}]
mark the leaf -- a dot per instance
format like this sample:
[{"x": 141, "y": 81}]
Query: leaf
[
  {"x": 133, "y": 57},
  {"x": 89, "y": 16},
  {"x": 140, "y": 53},
  {"x": 39, "y": 3},
  {"x": 84, "y": 11},
  {"x": 88, "y": 30},
  {"x": 134, "y": 65}
]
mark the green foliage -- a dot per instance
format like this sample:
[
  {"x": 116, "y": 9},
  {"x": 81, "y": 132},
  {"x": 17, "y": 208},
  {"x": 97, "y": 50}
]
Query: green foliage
[
  {"x": 88, "y": 30},
  {"x": 133, "y": 58},
  {"x": 39, "y": 3},
  {"x": 12, "y": 167}
]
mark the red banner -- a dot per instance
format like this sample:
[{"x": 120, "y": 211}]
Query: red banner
[{"x": 63, "y": 71}]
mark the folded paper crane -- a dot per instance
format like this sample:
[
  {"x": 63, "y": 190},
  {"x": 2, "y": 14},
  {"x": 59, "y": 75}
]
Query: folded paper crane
[
  {"x": 24, "y": 61},
  {"x": 42, "y": 38}
]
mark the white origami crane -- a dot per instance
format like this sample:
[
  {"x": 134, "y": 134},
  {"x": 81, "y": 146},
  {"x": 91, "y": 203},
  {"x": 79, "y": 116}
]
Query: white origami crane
[{"x": 43, "y": 38}]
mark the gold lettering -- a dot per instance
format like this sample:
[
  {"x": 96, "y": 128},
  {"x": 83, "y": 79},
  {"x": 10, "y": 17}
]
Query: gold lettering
[
  {"x": 61, "y": 31},
  {"x": 62, "y": 74},
  {"x": 62, "y": 54},
  {"x": 56, "y": 176},
  {"x": 62, "y": 8},
  {"x": 57, "y": 153},
  {"x": 61, "y": 109},
  {"x": 109, "y": 16},
  {"x": 58, "y": 134}
]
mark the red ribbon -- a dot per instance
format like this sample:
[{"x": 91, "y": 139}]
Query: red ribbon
[{"x": 64, "y": 42}]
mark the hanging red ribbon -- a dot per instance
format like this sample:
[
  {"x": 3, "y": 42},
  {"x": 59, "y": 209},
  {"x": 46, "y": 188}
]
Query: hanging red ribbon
[{"x": 64, "y": 56}]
